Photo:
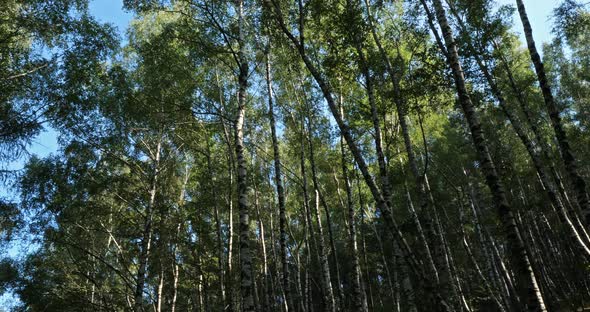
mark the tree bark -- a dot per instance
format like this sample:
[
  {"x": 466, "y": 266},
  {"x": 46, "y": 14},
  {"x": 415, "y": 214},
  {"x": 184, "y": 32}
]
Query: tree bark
[
  {"x": 146, "y": 240},
  {"x": 359, "y": 298},
  {"x": 228, "y": 303},
  {"x": 306, "y": 206},
  {"x": 530, "y": 144},
  {"x": 436, "y": 257},
  {"x": 246, "y": 282},
  {"x": 564, "y": 147},
  {"x": 265, "y": 304},
  {"x": 526, "y": 280},
  {"x": 218, "y": 231},
  {"x": 415, "y": 264},
  {"x": 279, "y": 185}
]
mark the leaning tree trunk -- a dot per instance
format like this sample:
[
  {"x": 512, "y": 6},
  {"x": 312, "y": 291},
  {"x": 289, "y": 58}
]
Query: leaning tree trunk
[
  {"x": 562, "y": 140},
  {"x": 429, "y": 287},
  {"x": 436, "y": 254},
  {"x": 496, "y": 263},
  {"x": 530, "y": 144},
  {"x": 526, "y": 280}
]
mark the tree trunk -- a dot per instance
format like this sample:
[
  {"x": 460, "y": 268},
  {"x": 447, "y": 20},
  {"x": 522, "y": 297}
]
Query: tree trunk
[
  {"x": 492, "y": 254},
  {"x": 265, "y": 271},
  {"x": 527, "y": 282},
  {"x": 228, "y": 303},
  {"x": 330, "y": 305},
  {"x": 384, "y": 208},
  {"x": 367, "y": 278},
  {"x": 308, "y": 218},
  {"x": 275, "y": 258},
  {"x": 218, "y": 231},
  {"x": 530, "y": 144},
  {"x": 246, "y": 283},
  {"x": 280, "y": 191},
  {"x": 562, "y": 140},
  {"x": 359, "y": 298},
  {"x": 436, "y": 256},
  {"x": 159, "y": 292},
  {"x": 146, "y": 240},
  {"x": 325, "y": 264}
]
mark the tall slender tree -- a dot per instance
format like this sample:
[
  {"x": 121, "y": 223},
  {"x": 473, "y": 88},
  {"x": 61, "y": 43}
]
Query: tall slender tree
[{"x": 527, "y": 282}]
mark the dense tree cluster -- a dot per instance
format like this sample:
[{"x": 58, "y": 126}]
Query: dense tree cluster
[{"x": 296, "y": 155}]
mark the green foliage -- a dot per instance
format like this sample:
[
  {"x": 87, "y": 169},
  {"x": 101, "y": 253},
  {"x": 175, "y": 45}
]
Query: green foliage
[{"x": 148, "y": 151}]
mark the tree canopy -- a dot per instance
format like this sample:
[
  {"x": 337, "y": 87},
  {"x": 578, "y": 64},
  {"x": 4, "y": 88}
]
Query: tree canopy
[{"x": 296, "y": 155}]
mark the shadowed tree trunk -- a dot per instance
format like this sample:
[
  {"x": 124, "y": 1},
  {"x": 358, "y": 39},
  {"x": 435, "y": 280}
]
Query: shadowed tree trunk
[
  {"x": 526, "y": 280},
  {"x": 218, "y": 231},
  {"x": 564, "y": 147},
  {"x": 437, "y": 300},
  {"x": 532, "y": 146},
  {"x": 436, "y": 253},
  {"x": 313, "y": 245},
  {"x": 146, "y": 240},
  {"x": 328, "y": 289},
  {"x": 279, "y": 185},
  {"x": 359, "y": 298},
  {"x": 246, "y": 282},
  {"x": 228, "y": 283}
]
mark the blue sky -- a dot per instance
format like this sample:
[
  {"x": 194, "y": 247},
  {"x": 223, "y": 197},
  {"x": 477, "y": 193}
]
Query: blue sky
[
  {"x": 111, "y": 11},
  {"x": 539, "y": 12}
]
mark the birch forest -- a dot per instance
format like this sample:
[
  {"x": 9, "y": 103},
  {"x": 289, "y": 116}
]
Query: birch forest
[{"x": 295, "y": 156}]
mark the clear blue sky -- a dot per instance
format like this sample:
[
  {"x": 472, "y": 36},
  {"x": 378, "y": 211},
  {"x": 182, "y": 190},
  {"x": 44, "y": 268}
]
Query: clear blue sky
[
  {"x": 539, "y": 12},
  {"x": 111, "y": 11}
]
